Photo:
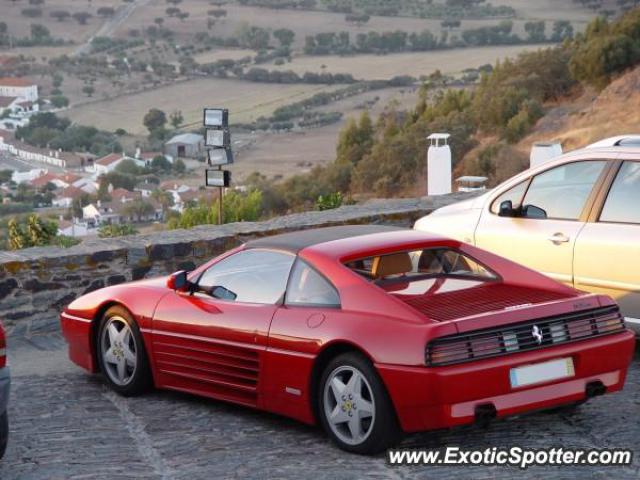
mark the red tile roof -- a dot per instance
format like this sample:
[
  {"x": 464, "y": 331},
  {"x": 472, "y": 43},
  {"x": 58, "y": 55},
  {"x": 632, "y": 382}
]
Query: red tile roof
[
  {"x": 109, "y": 159},
  {"x": 120, "y": 193},
  {"x": 15, "y": 82},
  {"x": 72, "y": 192},
  {"x": 6, "y": 101},
  {"x": 42, "y": 180}
]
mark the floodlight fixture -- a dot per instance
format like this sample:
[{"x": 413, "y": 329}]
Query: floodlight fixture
[
  {"x": 217, "y": 178},
  {"x": 220, "y": 156},
  {"x": 216, "y": 117},
  {"x": 217, "y": 138}
]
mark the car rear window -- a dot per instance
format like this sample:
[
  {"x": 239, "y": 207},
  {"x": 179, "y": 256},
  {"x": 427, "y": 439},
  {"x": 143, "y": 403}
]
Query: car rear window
[{"x": 418, "y": 265}]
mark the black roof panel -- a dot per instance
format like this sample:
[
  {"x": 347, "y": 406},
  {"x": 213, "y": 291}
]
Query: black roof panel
[{"x": 296, "y": 241}]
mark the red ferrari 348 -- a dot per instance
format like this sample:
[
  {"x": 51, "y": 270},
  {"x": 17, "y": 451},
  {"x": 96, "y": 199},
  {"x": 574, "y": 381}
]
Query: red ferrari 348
[{"x": 370, "y": 331}]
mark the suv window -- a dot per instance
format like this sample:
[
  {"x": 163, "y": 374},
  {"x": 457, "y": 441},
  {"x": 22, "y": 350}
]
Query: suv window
[
  {"x": 308, "y": 287},
  {"x": 623, "y": 202},
  {"x": 514, "y": 194},
  {"x": 563, "y": 191},
  {"x": 252, "y": 276}
]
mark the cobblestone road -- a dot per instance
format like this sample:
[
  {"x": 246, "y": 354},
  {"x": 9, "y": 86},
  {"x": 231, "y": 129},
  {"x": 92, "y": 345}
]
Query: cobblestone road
[{"x": 67, "y": 425}]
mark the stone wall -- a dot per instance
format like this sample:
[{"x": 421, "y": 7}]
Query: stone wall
[{"x": 36, "y": 283}]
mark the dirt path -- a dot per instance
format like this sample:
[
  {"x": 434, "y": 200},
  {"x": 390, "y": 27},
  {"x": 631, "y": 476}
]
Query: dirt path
[{"x": 111, "y": 24}]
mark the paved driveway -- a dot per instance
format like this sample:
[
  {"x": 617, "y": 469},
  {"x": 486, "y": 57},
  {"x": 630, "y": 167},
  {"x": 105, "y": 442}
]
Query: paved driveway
[{"x": 66, "y": 425}]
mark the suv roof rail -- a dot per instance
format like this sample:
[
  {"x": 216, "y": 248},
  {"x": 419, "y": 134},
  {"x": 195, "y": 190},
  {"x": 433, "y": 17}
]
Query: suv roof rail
[{"x": 618, "y": 141}]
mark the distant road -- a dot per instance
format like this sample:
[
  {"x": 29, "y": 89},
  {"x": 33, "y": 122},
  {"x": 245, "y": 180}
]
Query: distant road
[{"x": 111, "y": 24}]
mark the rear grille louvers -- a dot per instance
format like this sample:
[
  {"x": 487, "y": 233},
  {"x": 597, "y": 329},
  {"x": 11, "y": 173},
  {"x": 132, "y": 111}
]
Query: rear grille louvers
[{"x": 525, "y": 336}]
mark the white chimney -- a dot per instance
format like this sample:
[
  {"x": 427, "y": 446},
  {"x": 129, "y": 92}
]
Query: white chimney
[
  {"x": 138, "y": 152},
  {"x": 543, "y": 152},
  {"x": 438, "y": 164}
]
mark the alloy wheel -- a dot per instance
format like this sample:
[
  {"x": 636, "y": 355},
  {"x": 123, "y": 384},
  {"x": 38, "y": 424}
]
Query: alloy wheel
[
  {"x": 119, "y": 352},
  {"x": 349, "y": 405}
]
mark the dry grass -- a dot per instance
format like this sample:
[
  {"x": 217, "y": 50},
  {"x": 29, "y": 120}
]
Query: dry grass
[
  {"x": 592, "y": 117},
  {"x": 19, "y": 25},
  {"x": 246, "y": 101},
  {"x": 371, "y": 67},
  {"x": 223, "y": 54},
  {"x": 312, "y": 22}
]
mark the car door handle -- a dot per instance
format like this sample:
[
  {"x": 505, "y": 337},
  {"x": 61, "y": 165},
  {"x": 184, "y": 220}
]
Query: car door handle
[{"x": 558, "y": 238}]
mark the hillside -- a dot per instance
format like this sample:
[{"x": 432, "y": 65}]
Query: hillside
[{"x": 591, "y": 116}]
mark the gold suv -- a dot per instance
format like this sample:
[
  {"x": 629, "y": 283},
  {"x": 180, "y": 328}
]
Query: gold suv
[{"x": 575, "y": 218}]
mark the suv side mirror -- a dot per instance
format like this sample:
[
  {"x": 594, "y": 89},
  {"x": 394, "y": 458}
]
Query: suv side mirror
[
  {"x": 506, "y": 209},
  {"x": 178, "y": 281}
]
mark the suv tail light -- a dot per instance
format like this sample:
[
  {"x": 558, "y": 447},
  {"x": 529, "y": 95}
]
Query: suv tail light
[{"x": 3, "y": 348}]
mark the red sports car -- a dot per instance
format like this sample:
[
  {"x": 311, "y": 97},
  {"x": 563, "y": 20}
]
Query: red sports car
[{"x": 370, "y": 331}]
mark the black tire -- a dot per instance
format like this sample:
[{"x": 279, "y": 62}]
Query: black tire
[
  {"x": 4, "y": 433},
  {"x": 385, "y": 431},
  {"x": 141, "y": 379}
]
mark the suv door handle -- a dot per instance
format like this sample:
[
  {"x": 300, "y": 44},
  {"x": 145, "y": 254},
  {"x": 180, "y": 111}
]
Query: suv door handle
[{"x": 558, "y": 238}]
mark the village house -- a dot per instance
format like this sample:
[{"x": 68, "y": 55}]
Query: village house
[
  {"x": 19, "y": 97},
  {"x": 148, "y": 157},
  {"x": 56, "y": 158},
  {"x": 73, "y": 228},
  {"x": 66, "y": 197},
  {"x": 185, "y": 145},
  {"x": 108, "y": 163}
]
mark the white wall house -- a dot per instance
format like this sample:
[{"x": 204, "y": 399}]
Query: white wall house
[
  {"x": 29, "y": 176},
  {"x": 18, "y": 87},
  {"x": 19, "y": 96},
  {"x": 108, "y": 163}
]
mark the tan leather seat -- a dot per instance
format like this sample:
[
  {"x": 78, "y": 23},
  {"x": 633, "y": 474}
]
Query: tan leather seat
[{"x": 394, "y": 264}]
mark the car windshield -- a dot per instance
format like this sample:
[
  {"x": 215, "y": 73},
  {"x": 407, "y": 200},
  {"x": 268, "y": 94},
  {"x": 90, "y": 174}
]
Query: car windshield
[{"x": 415, "y": 266}]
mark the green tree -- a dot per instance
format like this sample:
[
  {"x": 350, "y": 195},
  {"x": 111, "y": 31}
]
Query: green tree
[
  {"x": 284, "y": 36},
  {"x": 535, "y": 31},
  {"x": 164, "y": 198},
  {"x": 176, "y": 118},
  {"x": 81, "y": 17},
  {"x": 35, "y": 232},
  {"x": 160, "y": 164},
  {"x": 129, "y": 167},
  {"x": 138, "y": 209},
  {"x": 110, "y": 231},
  {"x": 39, "y": 33},
  {"x": 355, "y": 140},
  {"x": 179, "y": 166},
  {"x": 59, "y": 101},
  {"x": 154, "y": 119}
]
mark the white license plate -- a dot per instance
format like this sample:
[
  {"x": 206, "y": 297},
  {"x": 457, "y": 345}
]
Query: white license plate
[{"x": 542, "y": 372}]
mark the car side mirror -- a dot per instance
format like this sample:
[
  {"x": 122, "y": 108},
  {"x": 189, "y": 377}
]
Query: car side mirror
[
  {"x": 506, "y": 209},
  {"x": 178, "y": 281},
  {"x": 223, "y": 293},
  {"x": 531, "y": 211}
]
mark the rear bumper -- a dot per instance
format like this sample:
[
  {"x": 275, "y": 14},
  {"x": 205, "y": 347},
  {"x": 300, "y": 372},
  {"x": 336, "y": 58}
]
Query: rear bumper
[
  {"x": 5, "y": 383},
  {"x": 441, "y": 397},
  {"x": 633, "y": 324},
  {"x": 78, "y": 333}
]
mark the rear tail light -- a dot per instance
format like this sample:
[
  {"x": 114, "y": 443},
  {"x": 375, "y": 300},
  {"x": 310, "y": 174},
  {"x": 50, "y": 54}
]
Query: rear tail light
[{"x": 3, "y": 348}]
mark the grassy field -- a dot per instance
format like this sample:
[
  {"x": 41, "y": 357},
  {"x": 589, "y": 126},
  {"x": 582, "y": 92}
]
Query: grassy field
[
  {"x": 19, "y": 25},
  {"x": 370, "y": 67},
  {"x": 246, "y": 101},
  {"x": 305, "y": 23}
]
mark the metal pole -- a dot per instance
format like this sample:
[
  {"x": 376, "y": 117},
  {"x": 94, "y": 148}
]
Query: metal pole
[{"x": 220, "y": 203}]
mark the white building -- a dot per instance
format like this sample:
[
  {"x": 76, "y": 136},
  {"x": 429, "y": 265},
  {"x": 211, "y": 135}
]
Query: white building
[
  {"x": 29, "y": 176},
  {"x": 108, "y": 163},
  {"x": 19, "y": 88},
  {"x": 19, "y": 97},
  {"x": 73, "y": 228}
]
